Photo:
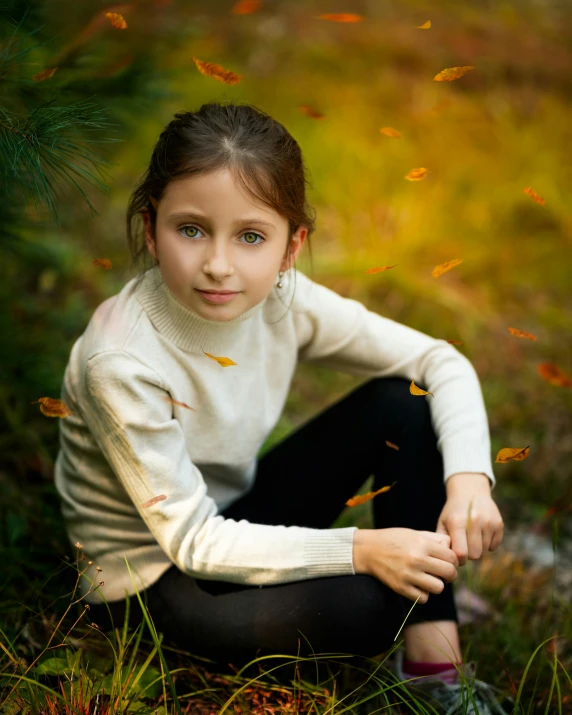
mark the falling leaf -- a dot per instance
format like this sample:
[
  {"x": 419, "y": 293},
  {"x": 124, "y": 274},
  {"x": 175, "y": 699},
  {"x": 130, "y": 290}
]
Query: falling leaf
[
  {"x": 553, "y": 374},
  {"x": 245, "y": 7},
  {"x": 78, "y": 545},
  {"x": 116, "y": 20},
  {"x": 52, "y": 407},
  {"x": 507, "y": 453},
  {"x": 390, "y": 132},
  {"x": 390, "y": 444},
  {"x": 154, "y": 500},
  {"x": 311, "y": 112},
  {"x": 44, "y": 74},
  {"x": 424, "y": 26},
  {"x": 341, "y": 17},
  {"x": 414, "y": 390},
  {"x": 444, "y": 267},
  {"x": 451, "y": 73},
  {"x": 105, "y": 262},
  {"x": 534, "y": 195},
  {"x": 362, "y": 498},
  {"x": 217, "y": 72},
  {"x": 455, "y": 342},
  {"x": 224, "y": 361},
  {"x": 176, "y": 402},
  {"x": 521, "y": 333},
  {"x": 416, "y": 174},
  {"x": 380, "y": 268}
]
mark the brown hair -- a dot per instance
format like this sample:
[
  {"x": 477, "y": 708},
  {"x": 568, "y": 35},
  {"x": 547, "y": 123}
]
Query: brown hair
[{"x": 261, "y": 154}]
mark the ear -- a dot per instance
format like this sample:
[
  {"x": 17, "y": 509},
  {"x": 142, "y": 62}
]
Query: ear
[
  {"x": 294, "y": 248},
  {"x": 149, "y": 238}
]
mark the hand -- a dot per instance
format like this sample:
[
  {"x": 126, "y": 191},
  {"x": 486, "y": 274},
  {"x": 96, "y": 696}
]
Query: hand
[
  {"x": 470, "y": 516},
  {"x": 412, "y": 563}
]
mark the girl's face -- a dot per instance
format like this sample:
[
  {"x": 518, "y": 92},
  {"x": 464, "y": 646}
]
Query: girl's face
[{"x": 211, "y": 237}]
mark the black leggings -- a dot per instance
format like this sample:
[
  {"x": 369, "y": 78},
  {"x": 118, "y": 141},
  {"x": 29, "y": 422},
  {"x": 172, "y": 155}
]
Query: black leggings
[{"x": 305, "y": 480}]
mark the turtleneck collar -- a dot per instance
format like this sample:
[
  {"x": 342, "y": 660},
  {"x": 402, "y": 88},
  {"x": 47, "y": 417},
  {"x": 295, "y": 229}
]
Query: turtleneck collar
[{"x": 185, "y": 327}]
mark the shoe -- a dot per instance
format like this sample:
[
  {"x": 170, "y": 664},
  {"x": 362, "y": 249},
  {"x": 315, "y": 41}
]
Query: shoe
[{"x": 467, "y": 697}]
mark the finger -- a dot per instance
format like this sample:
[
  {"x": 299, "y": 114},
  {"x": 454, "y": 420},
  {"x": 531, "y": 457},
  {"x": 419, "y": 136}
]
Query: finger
[
  {"x": 475, "y": 540},
  {"x": 439, "y": 537},
  {"x": 459, "y": 543},
  {"x": 497, "y": 538},
  {"x": 442, "y": 569},
  {"x": 414, "y": 593},
  {"x": 487, "y": 538},
  {"x": 440, "y": 551},
  {"x": 429, "y": 583}
]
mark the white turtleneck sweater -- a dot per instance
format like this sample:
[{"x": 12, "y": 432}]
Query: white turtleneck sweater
[{"x": 126, "y": 442}]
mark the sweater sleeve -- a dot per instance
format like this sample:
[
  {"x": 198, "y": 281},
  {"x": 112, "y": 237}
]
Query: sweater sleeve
[
  {"x": 124, "y": 407},
  {"x": 342, "y": 334}
]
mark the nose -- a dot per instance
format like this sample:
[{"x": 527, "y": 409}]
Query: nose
[{"x": 218, "y": 258}]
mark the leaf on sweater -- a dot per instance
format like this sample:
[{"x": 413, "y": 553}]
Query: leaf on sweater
[
  {"x": 390, "y": 132},
  {"x": 105, "y": 262},
  {"x": 534, "y": 195},
  {"x": 44, "y": 74},
  {"x": 444, "y": 267},
  {"x": 424, "y": 26},
  {"x": 245, "y": 7},
  {"x": 390, "y": 444},
  {"x": 116, "y": 19},
  {"x": 416, "y": 174},
  {"x": 451, "y": 73},
  {"x": 521, "y": 333},
  {"x": 176, "y": 402},
  {"x": 456, "y": 342},
  {"x": 52, "y": 407},
  {"x": 218, "y": 72},
  {"x": 553, "y": 374},
  {"x": 507, "y": 453},
  {"x": 309, "y": 111},
  {"x": 341, "y": 17},
  {"x": 154, "y": 500},
  {"x": 414, "y": 390},
  {"x": 223, "y": 361},
  {"x": 362, "y": 498},
  {"x": 380, "y": 268}
]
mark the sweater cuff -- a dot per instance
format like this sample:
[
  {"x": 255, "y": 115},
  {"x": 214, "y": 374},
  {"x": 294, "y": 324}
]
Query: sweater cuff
[
  {"x": 329, "y": 552},
  {"x": 466, "y": 456}
]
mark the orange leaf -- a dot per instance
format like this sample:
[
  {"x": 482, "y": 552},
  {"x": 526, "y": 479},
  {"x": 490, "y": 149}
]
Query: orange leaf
[
  {"x": 390, "y": 444},
  {"x": 217, "y": 72},
  {"x": 507, "y": 453},
  {"x": 553, "y": 374},
  {"x": 451, "y": 73},
  {"x": 414, "y": 390},
  {"x": 455, "y": 342},
  {"x": 534, "y": 195},
  {"x": 424, "y": 26},
  {"x": 154, "y": 500},
  {"x": 245, "y": 7},
  {"x": 390, "y": 132},
  {"x": 380, "y": 268},
  {"x": 223, "y": 361},
  {"x": 311, "y": 112},
  {"x": 362, "y": 498},
  {"x": 45, "y": 74},
  {"x": 116, "y": 20},
  {"x": 52, "y": 407},
  {"x": 444, "y": 267},
  {"x": 341, "y": 17},
  {"x": 416, "y": 174},
  {"x": 105, "y": 262},
  {"x": 521, "y": 333},
  {"x": 176, "y": 402}
]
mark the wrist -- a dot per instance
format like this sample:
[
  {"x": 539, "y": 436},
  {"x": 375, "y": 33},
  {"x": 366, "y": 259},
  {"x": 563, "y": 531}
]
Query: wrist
[
  {"x": 473, "y": 480},
  {"x": 359, "y": 553}
]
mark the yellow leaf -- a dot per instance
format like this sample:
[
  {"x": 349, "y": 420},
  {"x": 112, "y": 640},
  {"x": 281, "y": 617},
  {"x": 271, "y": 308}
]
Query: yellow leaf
[
  {"x": 444, "y": 267},
  {"x": 45, "y": 74},
  {"x": 416, "y": 174},
  {"x": 534, "y": 195},
  {"x": 217, "y": 72},
  {"x": 414, "y": 390},
  {"x": 455, "y": 342},
  {"x": 223, "y": 361},
  {"x": 105, "y": 262},
  {"x": 424, "y": 26},
  {"x": 341, "y": 17},
  {"x": 507, "y": 453},
  {"x": 451, "y": 73},
  {"x": 380, "y": 268},
  {"x": 521, "y": 333},
  {"x": 390, "y": 132},
  {"x": 553, "y": 374},
  {"x": 390, "y": 444},
  {"x": 154, "y": 500},
  {"x": 52, "y": 407},
  {"x": 116, "y": 20},
  {"x": 176, "y": 402},
  {"x": 245, "y": 7},
  {"x": 309, "y": 111},
  {"x": 362, "y": 498}
]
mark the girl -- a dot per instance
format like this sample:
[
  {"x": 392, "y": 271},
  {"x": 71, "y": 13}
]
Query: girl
[{"x": 178, "y": 380}]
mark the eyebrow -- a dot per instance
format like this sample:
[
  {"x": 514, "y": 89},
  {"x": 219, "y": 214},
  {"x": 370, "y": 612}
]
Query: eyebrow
[{"x": 199, "y": 217}]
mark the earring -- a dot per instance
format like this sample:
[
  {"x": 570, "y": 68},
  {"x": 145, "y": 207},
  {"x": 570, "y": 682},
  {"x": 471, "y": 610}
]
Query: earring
[{"x": 279, "y": 284}]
